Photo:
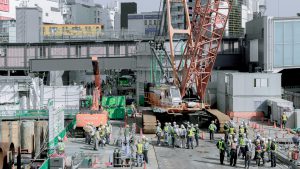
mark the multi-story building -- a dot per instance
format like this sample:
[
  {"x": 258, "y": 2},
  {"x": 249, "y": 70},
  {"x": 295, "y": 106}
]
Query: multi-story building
[
  {"x": 51, "y": 10},
  {"x": 145, "y": 23},
  {"x": 108, "y": 16},
  {"x": 127, "y": 8}
]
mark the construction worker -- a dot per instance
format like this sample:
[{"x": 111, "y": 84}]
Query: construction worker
[
  {"x": 158, "y": 133},
  {"x": 242, "y": 144},
  {"x": 177, "y": 135},
  {"x": 197, "y": 134},
  {"x": 191, "y": 136},
  {"x": 228, "y": 148},
  {"x": 134, "y": 110},
  {"x": 60, "y": 146},
  {"x": 166, "y": 133},
  {"x": 248, "y": 150},
  {"x": 139, "y": 153},
  {"x": 268, "y": 148},
  {"x": 96, "y": 137},
  {"x": 233, "y": 152},
  {"x": 221, "y": 147},
  {"x": 284, "y": 119},
  {"x": 102, "y": 136},
  {"x": 127, "y": 133},
  {"x": 241, "y": 130},
  {"x": 273, "y": 153},
  {"x": 212, "y": 129},
  {"x": 232, "y": 130},
  {"x": 183, "y": 134},
  {"x": 172, "y": 135},
  {"x": 258, "y": 152},
  {"x": 108, "y": 129},
  {"x": 263, "y": 149},
  {"x": 226, "y": 130},
  {"x": 145, "y": 149},
  {"x": 170, "y": 131}
]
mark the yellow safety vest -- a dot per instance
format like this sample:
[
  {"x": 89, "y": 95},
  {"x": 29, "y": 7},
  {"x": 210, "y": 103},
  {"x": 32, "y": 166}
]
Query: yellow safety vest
[
  {"x": 231, "y": 130},
  {"x": 220, "y": 146},
  {"x": 191, "y": 133},
  {"x": 284, "y": 117},
  {"x": 242, "y": 130},
  {"x": 242, "y": 142},
  {"x": 140, "y": 148}
]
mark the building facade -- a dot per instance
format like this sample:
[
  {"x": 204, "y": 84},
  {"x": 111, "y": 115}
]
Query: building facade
[
  {"x": 273, "y": 43},
  {"x": 29, "y": 25},
  {"x": 51, "y": 10},
  {"x": 127, "y": 8},
  {"x": 145, "y": 23}
]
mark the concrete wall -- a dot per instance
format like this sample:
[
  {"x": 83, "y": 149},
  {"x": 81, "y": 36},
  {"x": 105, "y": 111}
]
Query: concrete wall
[
  {"x": 237, "y": 91},
  {"x": 29, "y": 25},
  {"x": 82, "y": 14}
]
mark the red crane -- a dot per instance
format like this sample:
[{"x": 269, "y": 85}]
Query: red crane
[{"x": 205, "y": 32}]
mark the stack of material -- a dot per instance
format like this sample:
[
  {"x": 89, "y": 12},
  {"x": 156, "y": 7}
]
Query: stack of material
[{"x": 149, "y": 122}]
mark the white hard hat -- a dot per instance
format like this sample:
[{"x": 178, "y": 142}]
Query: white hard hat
[
  {"x": 269, "y": 138},
  {"x": 249, "y": 141},
  {"x": 222, "y": 138},
  {"x": 235, "y": 140}
]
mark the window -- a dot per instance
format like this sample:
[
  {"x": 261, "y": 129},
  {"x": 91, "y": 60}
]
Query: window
[
  {"x": 145, "y": 22},
  {"x": 98, "y": 20},
  {"x": 150, "y": 22},
  {"x": 154, "y": 22},
  {"x": 260, "y": 82}
]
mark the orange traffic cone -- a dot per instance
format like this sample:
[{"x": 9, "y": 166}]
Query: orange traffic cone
[
  {"x": 202, "y": 135},
  {"x": 145, "y": 165},
  {"x": 288, "y": 130},
  {"x": 281, "y": 126},
  {"x": 274, "y": 125}
]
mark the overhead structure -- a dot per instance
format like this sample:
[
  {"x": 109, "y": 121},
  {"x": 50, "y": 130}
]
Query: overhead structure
[{"x": 205, "y": 32}]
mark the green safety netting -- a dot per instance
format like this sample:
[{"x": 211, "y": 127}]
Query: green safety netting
[{"x": 62, "y": 134}]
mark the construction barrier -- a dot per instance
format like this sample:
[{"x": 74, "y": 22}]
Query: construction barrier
[{"x": 62, "y": 134}]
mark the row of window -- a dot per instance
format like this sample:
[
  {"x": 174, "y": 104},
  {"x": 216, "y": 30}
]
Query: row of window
[
  {"x": 87, "y": 28},
  {"x": 151, "y": 22}
]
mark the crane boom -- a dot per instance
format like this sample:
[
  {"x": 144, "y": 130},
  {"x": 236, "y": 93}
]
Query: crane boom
[{"x": 205, "y": 32}]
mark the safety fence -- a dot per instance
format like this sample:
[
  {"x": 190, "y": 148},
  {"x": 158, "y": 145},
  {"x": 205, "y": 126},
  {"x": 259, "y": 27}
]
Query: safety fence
[{"x": 43, "y": 113}]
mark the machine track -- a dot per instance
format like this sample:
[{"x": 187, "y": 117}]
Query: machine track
[{"x": 149, "y": 122}]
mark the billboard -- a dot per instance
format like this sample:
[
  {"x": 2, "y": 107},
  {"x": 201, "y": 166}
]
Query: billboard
[{"x": 4, "y": 5}]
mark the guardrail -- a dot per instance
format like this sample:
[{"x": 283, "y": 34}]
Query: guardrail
[{"x": 19, "y": 114}]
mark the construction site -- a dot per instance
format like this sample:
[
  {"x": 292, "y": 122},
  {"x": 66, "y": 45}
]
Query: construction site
[{"x": 124, "y": 100}]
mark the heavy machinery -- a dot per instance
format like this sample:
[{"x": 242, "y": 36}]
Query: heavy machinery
[
  {"x": 94, "y": 116},
  {"x": 183, "y": 98}
]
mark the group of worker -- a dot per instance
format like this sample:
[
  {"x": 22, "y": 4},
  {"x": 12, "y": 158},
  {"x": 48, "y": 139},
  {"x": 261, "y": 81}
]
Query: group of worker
[
  {"x": 137, "y": 147},
  {"x": 174, "y": 135},
  {"x": 100, "y": 135},
  {"x": 236, "y": 144}
]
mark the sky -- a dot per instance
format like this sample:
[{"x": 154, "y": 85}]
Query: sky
[{"x": 287, "y": 7}]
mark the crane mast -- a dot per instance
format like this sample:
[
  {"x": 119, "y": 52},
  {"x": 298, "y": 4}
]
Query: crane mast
[{"x": 205, "y": 32}]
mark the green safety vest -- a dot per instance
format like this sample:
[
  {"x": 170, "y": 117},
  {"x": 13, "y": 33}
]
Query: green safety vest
[
  {"x": 140, "y": 148},
  {"x": 221, "y": 145},
  {"x": 231, "y": 130},
  {"x": 166, "y": 128},
  {"x": 158, "y": 130},
  {"x": 284, "y": 117},
  {"x": 242, "y": 142},
  {"x": 191, "y": 133},
  {"x": 211, "y": 127},
  {"x": 226, "y": 127},
  {"x": 61, "y": 146},
  {"x": 242, "y": 130}
]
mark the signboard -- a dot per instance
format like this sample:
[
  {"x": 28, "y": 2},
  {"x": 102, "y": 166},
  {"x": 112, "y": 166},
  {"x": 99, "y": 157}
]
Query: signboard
[{"x": 4, "y": 5}]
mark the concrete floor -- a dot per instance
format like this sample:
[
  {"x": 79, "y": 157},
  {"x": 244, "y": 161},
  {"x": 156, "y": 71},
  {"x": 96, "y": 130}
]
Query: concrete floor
[{"x": 160, "y": 157}]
